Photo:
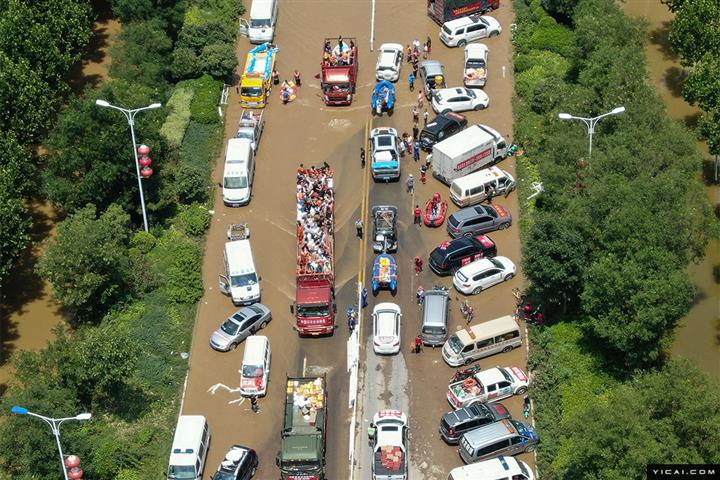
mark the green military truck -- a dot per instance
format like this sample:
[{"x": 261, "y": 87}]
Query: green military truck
[{"x": 303, "y": 440}]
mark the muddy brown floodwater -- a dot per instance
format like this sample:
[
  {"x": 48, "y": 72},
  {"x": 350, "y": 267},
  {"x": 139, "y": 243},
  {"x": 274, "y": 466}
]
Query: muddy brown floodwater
[
  {"x": 28, "y": 311},
  {"x": 698, "y": 335},
  {"x": 307, "y": 131}
]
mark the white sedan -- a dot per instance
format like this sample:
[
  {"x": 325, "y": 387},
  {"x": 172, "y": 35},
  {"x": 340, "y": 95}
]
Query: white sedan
[
  {"x": 389, "y": 62},
  {"x": 459, "y": 99},
  {"x": 386, "y": 328},
  {"x": 475, "y": 277}
]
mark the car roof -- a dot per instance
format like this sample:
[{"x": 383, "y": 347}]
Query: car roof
[
  {"x": 432, "y": 67},
  {"x": 490, "y": 328},
  {"x": 469, "y": 212},
  {"x": 443, "y": 120},
  {"x": 476, "y": 267},
  {"x": 490, "y": 376},
  {"x": 490, "y": 433},
  {"x": 481, "y": 176},
  {"x": 391, "y": 46},
  {"x": 462, "y": 21},
  {"x": 477, "y": 50}
]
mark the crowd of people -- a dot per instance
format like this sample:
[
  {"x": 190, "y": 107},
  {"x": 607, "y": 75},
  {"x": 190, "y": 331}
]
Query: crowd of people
[
  {"x": 342, "y": 54},
  {"x": 315, "y": 218}
]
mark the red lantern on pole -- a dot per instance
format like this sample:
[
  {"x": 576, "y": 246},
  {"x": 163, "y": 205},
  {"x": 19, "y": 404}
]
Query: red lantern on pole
[
  {"x": 145, "y": 161},
  {"x": 72, "y": 461},
  {"x": 76, "y": 473},
  {"x": 143, "y": 150},
  {"x": 146, "y": 172}
]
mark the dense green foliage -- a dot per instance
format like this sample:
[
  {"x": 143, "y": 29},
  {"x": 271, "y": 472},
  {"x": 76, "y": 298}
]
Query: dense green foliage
[
  {"x": 130, "y": 294},
  {"x": 695, "y": 36},
  {"x": 603, "y": 254},
  {"x": 601, "y": 243}
]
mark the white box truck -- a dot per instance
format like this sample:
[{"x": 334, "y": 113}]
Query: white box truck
[{"x": 472, "y": 149}]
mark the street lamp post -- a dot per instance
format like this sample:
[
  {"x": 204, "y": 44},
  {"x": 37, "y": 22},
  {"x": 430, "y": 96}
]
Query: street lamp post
[
  {"x": 590, "y": 123},
  {"x": 130, "y": 116},
  {"x": 54, "y": 426}
]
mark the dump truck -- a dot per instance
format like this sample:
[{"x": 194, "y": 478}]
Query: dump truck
[
  {"x": 304, "y": 438},
  {"x": 444, "y": 10},
  {"x": 338, "y": 74},
  {"x": 314, "y": 307},
  {"x": 256, "y": 79}
]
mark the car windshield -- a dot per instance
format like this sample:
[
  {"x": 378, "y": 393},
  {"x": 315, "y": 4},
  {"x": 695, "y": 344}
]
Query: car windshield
[
  {"x": 506, "y": 375},
  {"x": 497, "y": 263},
  {"x": 224, "y": 476},
  {"x": 260, "y": 22},
  {"x": 447, "y": 30},
  {"x": 251, "y": 91},
  {"x": 306, "y": 311},
  {"x": 437, "y": 258},
  {"x": 235, "y": 182},
  {"x": 433, "y": 330},
  {"x": 471, "y": 93},
  {"x": 384, "y": 141},
  {"x": 252, "y": 371},
  {"x": 524, "y": 469},
  {"x": 455, "y": 344},
  {"x": 181, "y": 472},
  {"x": 230, "y": 327},
  {"x": 483, "y": 21},
  {"x": 475, "y": 63},
  {"x": 491, "y": 212},
  {"x": 245, "y": 133},
  {"x": 243, "y": 280},
  {"x": 337, "y": 88}
]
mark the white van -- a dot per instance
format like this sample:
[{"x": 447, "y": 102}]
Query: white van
[
  {"x": 500, "y": 468},
  {"x": 189, "y": 448},
  {"x": 239, "y": 172},
  {"x": 263, "y": 16},
  {"x": 241, "y": 281},
  {"x": 482, "y": 340},
  {"x": 255, "y": 371},
  {"x": 473, "y": 188}
]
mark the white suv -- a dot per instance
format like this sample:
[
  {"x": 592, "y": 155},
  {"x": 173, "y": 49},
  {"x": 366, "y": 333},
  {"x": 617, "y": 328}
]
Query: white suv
[
  {"x": 461, "y": 31},
  {"x": 389, "y": 62}
]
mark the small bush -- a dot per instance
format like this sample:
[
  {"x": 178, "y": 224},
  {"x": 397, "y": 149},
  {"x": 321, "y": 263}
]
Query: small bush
[
  {"x": 203, "y": 108},
  {"x": 193, "y": 220},
  {"x": 177, "y": 121},
  {"x": 555, "y": 38},
  {"x": 192, "y": 184},
  {"x": 177, "y": 263},
  {"x": 143, "y": 242},
  {"x": 200, "y": 145}
]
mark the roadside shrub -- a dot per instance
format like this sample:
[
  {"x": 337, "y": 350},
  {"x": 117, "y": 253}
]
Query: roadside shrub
[
  {"x": 177, "y": 121},
  {"x": 219, "y": 60},
  {"x": 555, "y": 38},
  {"x": 200, "y": 145},
  {"x": 193, "y": 220},
  {"x": 177, "y": 263},
  {"x": 192, "y": 183},
  {"x": 203, "y": 108}
]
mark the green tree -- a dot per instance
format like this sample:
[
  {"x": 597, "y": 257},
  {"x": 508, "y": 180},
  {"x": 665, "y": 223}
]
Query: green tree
[
  {"x": 633, "y": 305},
  {"x": 27, "y": 100},
  {"x": 87, "y": 262},
  {"x": 185, "y": 63},
  {"x": 141, "y": 54},
  {"x": 169, "y": 12},
  {"x": 14, "y": 226},
  {"x": 199, "y": 35},
  {"x": 695, "y": 30},
  {"x": 219, "y": 60}
]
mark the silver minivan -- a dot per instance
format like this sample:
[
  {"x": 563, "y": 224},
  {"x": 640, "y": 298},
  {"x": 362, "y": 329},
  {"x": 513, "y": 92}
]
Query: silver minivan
[
  {"x": 434, "y": 330},
  {"x": 507, "y": 437},
  {"x": 482, "y": 340}
]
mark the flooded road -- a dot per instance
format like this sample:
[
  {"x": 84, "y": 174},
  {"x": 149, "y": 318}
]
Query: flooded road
[
  {"x": 28, "y": 311},
  {"x": 698, "y": 335},
  {"x": 309, "y": 132}
]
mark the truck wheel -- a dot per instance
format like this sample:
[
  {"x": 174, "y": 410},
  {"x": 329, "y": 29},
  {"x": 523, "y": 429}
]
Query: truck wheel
[
  {"x": 489, "y": 9},
  {"x": 461, "y": 43},
  {"x": 233, "y": 346},
  {"x": 530, "y": 448},
  {"x": 468, "y": 361},
  {"x": 507, "y": 349},
  {"x": 521, "y": 390}
]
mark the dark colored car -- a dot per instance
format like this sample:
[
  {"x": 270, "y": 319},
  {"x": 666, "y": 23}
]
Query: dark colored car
[
  {"x": 441, "y": 127},
  {"x": 478, "y": 219},
  {"x": 240, "y": 463},
  {"x": 447, "y": 258},
  {"x": 454, "y": 424}
]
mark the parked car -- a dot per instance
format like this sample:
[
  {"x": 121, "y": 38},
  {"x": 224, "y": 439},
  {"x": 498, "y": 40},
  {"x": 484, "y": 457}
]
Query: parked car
[
  {"x": 476, "y": 64},
  {"x": 459, "y": 99},
  {"x": 461, "y": 31},
  {"x": 386, "y": 328},
  {"x": 240, "y": 463},
  {"x": 239, "y": 326},
  {"x": 432, "y": 74},
  {"x": 507, "y": 437},
  {"x": 441, "y": 127},
  {"x": 385, "y": 159},
  {"x": 389, "y": 62},
  {"x": 390, "y": 445},
  {"x": 454, "y": 424},
  {"x": 477, "y": 276},
  {"x": 450, "y": 255},
  {"x": 478, "y": 219},
  {"x": 487, "y": 386}
]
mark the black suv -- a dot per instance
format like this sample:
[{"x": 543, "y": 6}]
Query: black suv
[
  {"x": 454, "y": 424},
  {"x": 441, "y": 127},
  {"x": 240, "y": 463},
  {"x": 451, "y": 255}
]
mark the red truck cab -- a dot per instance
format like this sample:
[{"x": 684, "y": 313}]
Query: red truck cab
[
  {"x": 314, "y": 306},
  {"x": 339, "y": 69},
  {"x": 445, "y": 10}
]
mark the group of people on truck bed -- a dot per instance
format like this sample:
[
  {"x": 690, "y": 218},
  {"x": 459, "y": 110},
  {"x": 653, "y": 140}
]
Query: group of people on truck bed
[
  {"x": 315, "y": 218},
  {"x": 342, "y": 54}
]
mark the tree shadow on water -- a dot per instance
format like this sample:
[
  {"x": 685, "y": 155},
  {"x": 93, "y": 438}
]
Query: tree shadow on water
[
  {"x": 659, "y": 37},
  {"x": 674, "y": 78}
]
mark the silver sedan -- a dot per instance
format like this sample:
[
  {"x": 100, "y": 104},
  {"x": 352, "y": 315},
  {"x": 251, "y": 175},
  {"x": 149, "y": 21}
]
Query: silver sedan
[{"x": 239, "y": 326}]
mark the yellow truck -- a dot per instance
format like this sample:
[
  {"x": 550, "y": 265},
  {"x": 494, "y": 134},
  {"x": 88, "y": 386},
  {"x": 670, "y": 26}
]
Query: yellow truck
[{"x": 256, "y": 79}]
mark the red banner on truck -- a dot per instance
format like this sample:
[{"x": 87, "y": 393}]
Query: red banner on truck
[{"x": 474, "y": 159}]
